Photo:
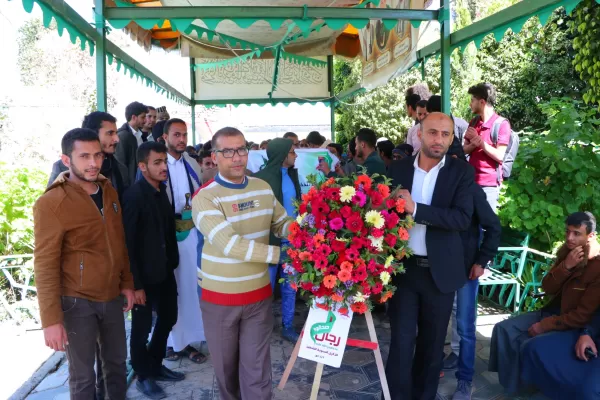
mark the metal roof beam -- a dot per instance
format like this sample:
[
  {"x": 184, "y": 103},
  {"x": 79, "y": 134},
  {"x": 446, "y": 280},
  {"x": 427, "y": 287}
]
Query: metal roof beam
[
  {"x": 523, "y": 9},
  {"x": 265, "y": 13},
  {"x": 61, "y": 8}
]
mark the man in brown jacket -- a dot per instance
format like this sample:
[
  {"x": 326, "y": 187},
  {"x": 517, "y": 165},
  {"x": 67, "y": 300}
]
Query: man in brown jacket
[
  {"x": 574, "y": 284},
  {"x": 82, "y": 268}
]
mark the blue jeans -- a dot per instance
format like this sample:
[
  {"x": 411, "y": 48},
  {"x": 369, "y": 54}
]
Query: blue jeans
[
  {"x": 288, "y": 295},
  {"x": 466, "y": 316}
]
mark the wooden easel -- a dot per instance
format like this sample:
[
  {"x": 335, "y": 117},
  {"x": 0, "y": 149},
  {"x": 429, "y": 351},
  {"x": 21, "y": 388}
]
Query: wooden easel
[{"x": 372, "y": 345}]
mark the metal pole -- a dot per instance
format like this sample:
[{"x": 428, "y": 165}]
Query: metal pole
[
  {"x": 446, "y": 52},
  {"x": 331, "y": 87},
  {"x": 193, "y": 98},
  {"x": 100, "y": 56}
]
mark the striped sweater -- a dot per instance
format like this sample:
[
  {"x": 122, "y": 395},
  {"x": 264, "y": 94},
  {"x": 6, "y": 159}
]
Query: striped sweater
[{"x": 236, "y": 220}]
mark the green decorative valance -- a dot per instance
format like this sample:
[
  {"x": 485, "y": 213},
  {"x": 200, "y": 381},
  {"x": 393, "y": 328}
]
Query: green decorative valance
[
  {"x": 61, "y": 24},
  {"x": 301, "y": 60}
]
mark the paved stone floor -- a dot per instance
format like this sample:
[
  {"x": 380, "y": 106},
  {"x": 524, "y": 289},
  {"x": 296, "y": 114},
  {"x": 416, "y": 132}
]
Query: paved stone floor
[{"x": 357, "y": 379}]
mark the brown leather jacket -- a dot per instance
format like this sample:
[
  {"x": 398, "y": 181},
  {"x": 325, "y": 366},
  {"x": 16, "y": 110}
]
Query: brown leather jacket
[
  {"x": 577, "y": 290},
  {"x": 78, "y": 252}
]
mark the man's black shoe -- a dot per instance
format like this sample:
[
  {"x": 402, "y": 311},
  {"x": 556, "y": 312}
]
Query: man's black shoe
[
  {"x": 165, "y": 374},
  {"x": 150, "y": 389}
]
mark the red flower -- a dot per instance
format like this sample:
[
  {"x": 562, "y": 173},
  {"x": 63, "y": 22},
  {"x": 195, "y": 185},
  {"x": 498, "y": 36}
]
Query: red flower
[
  {"x": 298, "y": 266},
  {"x": 384, "y": 190},
  {"x": 332, "y": 270},
  {"x": 363, "y": 180},
  {"x": 306, "y": 285},
  {"x": 359, "y": 242},
  {"x": 359, "y": 274},
  {"x": 302, "y": 208},
  {"x": 400, "y": 203},
  {"x": 343, "y": 311},
  {"x": 319, "y": 207},
  {"x": 390, "y": 203},
  {"x": 320, "y": 263},
  {"x": 323, "y": 251},
  {"x": 330, "y": 236},
  {"x": 390, "y": 240},
  {"x": 391, "y": 220},
  {"x": 372, "y": 266},
  {"x": 352, "y": 254},
  {"x": 366, "y": 289},
  {"x": 341, "y": 257},
  {"x": 377, "y": 288},
  {"x": 364, "y": 231},
  {"x": 346, "y": 211},
  {"x": 332, "y": 194},
  {"x": 322, "y": 306},
  {"x": 354, "y": 223},
  {"x": 377, "y": 233},
  {"x": 403, "y": 234},
  {"x": 376, "y": 199},
  {"x": 359, "y": 308},
  {"x": 338, "y": 245},
  {"x": 334, "y": 215}
]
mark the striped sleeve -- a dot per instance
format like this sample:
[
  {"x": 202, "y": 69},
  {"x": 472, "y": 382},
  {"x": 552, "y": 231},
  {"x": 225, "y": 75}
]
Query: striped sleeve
[
  {"x": 212, "y": 223},
  {"x": 280, "y": 223}
]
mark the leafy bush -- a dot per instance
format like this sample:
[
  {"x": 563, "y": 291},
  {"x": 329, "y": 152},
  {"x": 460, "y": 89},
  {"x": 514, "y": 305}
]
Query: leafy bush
[
  {"x": 19, "y": 190},
  {"x": 556, "y": 172}
]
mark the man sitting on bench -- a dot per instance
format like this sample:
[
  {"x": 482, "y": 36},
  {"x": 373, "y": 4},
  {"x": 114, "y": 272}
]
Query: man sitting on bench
[{"x": 574, "y": 283}]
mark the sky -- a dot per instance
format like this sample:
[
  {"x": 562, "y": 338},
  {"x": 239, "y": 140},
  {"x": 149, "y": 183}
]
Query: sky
[{"x": 25, "y": 102}]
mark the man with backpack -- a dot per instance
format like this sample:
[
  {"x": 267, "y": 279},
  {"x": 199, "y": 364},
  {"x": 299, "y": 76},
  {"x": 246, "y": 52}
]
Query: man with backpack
[{"x": 490, "y": 142}]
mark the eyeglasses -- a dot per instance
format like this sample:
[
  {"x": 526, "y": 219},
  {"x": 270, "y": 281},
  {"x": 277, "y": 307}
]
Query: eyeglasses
[{"x": 229, "y": 153}]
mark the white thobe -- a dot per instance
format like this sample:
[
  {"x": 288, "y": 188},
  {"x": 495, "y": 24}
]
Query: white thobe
[{"x": 189, "y": 328}]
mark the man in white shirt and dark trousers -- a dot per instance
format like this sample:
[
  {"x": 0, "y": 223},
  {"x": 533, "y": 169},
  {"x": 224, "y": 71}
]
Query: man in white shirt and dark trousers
[{"x": 437, "y": 191}]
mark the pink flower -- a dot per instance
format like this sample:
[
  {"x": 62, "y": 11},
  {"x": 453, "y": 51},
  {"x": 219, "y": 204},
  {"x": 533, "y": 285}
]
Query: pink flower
[
  {"x": 323, "y": 251},
  {"x": 360, "y": 198},
  {"x": 352, "y": 254},
  {"x": 336, "y": 224}
]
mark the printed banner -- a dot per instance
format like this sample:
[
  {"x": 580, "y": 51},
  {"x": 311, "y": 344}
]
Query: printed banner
[
  {"x": 306, "y": 163},
  {"x": 325, "y": 336},
  {"x": 388, "y": 53}
]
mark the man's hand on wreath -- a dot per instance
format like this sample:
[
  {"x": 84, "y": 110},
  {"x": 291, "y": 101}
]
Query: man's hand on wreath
[{"x": 409, "y": 207}]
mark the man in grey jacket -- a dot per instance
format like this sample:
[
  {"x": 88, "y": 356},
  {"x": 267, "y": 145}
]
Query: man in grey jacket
[{"x": 106, "y": 127}]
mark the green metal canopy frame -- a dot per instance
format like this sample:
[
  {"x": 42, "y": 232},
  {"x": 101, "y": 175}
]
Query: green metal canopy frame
[{"x": 181, "y": 18}]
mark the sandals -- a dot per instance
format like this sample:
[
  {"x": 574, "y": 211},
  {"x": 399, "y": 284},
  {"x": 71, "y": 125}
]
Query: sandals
[
  {"x": 194, "y": 355},
  {"x": 172, "y": 355}
]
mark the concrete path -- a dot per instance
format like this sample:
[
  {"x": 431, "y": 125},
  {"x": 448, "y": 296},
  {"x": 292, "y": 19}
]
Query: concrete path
[{"x": 357, "y": 379}]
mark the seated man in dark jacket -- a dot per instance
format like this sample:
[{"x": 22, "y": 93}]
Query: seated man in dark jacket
[
  {"x": 573, "y": 281},
  {"x": 152, "y": 246},
  {"x": 559, "y": 367}
]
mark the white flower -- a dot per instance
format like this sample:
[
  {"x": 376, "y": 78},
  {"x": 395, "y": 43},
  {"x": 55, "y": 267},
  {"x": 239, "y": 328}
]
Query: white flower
[
  {"x": 377, "y": 242},
  {"x": 385, "y": 277},
  {"x": 300, "y": 218},
  {"x": 347, "y": 193},
  {"x": 360, "y": 298}
]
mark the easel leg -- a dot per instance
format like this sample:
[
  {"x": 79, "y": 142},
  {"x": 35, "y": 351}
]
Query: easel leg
[
  {"x": 291, "y": 362},
  {"x": 377, "y": 354},
  {"x": 316, "y": 382}
]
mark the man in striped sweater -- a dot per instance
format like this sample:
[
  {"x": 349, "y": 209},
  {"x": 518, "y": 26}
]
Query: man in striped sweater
[{"x": 236, "y": 215}]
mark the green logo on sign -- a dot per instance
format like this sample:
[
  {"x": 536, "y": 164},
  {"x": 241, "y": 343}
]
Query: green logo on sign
[{"x": 322, "y": 327}]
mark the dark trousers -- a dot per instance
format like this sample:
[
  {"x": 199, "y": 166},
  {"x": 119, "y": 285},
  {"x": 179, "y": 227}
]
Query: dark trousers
[
  {"x": 146, "y": 360},
  {"x": 239, "y": 341},
  {"x": 419, "y": 315},
  {"x": 89, "y": 323}
]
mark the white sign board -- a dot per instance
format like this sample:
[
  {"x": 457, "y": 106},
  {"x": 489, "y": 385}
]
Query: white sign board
[
  {"x": 306, "y": 163},
  {"x": 325, "y": 336}
]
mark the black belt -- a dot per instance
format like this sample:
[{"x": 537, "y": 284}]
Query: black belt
[{"x": 418, "y": 261}]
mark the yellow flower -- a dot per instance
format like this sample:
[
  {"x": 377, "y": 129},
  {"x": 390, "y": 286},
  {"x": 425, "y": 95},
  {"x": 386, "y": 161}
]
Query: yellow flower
[
  {"x": 347, "y": 193},
  {"x": 300, "y": 218},
  {"x": 385, "y": 277},
  {"x": 388, "y": 261},
  {"x": 374, "y": 218},
  {"x": 360, "y": 298}
]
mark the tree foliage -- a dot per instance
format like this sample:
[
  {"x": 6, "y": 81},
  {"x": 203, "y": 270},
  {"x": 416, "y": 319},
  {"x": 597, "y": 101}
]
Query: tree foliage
[
  {"x": 586, "y": 27},
  {"x": 557, "y": 172}
]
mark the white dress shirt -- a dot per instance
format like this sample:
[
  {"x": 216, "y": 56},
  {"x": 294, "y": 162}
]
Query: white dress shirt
[
  {"x": 179, "y": 181},
  {"x": 137, "y": 134},
  {"x": 412, "y": 138},
  {"x": 422, "y": 192}
]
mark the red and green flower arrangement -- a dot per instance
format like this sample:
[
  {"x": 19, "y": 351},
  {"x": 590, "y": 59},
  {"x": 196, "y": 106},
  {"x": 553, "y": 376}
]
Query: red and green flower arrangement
[{"x": 349, "y": 239}]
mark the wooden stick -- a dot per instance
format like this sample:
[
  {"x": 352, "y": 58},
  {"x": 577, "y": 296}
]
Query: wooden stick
[
  {"x": 291, "y": 362},
  {"x": 316, "y": 382},
  {"x": 377, "y": 354}
]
